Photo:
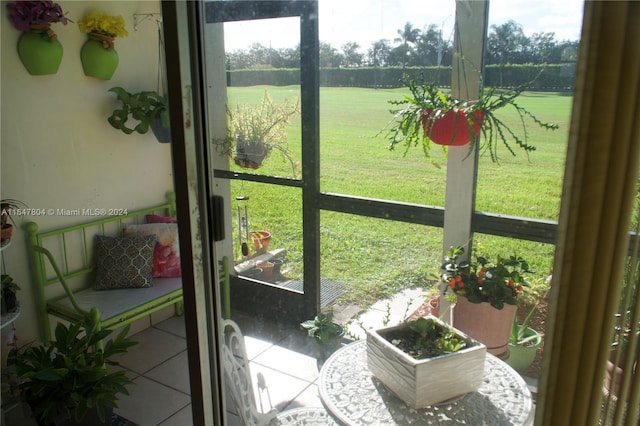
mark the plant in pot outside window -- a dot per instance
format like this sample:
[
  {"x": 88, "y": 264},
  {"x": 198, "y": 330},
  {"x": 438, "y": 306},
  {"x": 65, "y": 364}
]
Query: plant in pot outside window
[
  {"x": 255, "y": 131},
  {"x": 147, "y": 109},
  {"x": 68, "y": 378},
  {"x": 524, "y": 341},
  {"x": 485, "y": 295},
  {"x": 38, "y": 47},
  {"x": 429, "y": 114}
]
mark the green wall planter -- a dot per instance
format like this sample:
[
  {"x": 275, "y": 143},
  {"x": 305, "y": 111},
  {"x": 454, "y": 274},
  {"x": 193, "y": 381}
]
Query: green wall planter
[
  {"x": 521, "y": 357},
  {"x": 39, "y": 55},
  {"x": 98, "y": 61}
]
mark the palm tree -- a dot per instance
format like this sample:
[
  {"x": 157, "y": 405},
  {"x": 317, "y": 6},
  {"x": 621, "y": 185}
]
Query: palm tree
[
  {"x": 505, "y": 40},
  {"x": 407, "y": 35}
]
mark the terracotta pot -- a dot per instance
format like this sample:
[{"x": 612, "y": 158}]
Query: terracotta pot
[
  {"x": 485, "y": 323},
  {"x": 261, "y": 240},
  {"x": 267, "y": 270},
  {"x": 6, "y": 233},
  {"x": 452, "y": 129}
]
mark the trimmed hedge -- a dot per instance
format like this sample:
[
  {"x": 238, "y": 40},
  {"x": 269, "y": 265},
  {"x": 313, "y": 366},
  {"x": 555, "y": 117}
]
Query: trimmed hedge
[{"x": 555, "y": 77}]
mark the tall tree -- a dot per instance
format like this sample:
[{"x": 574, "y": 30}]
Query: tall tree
[
  {"x": 352, "y": 58},
  {"x": 407, "y": 35},
  {"x": 504, "y": 42},
  {"x": 378, "y": 53}
]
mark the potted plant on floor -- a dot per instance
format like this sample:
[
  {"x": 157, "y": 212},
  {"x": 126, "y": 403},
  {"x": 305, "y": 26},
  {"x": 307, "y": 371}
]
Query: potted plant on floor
[
  {"x": 147, "y": 109},
  {"x": 486, "y": 295},
  {"x": 524, "y": 341},
  {"x": 620, "y": 353},
  {"x": 429, "y": 114},
  {"x": 9, "y": 294},
  {"x": 326, "y": 333},
  {"x": 256, "y": 131},
  {"x": 68, "y": 378},
  {"x": 425, "y": 361}
]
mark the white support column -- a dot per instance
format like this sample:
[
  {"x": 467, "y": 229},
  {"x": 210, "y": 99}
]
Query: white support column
[
  {"x": 216, "y": 79},
  {"x": 469, "y": 41}
]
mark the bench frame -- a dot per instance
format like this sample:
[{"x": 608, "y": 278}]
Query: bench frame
[{"x": 54, "y": 274}]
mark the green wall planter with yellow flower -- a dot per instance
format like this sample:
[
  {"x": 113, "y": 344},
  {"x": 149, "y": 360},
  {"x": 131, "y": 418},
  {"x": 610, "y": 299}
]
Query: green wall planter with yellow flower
[
  {"x": 40, "y": 56},
  {"x": 98, "y": 55},
  {"x": 97, "y": 60}
]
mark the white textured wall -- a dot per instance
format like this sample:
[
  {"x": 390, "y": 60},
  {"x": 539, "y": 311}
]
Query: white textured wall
[{"x": 57, "y": 148}]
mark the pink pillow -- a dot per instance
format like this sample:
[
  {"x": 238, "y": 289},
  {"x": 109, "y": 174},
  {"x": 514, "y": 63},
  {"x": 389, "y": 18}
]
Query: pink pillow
[
  {"x": 166, "y": 254},
  {"x": 154, "y": 218}
]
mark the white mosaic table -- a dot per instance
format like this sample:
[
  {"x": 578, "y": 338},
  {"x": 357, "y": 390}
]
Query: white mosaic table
[{"x": 354, "y": 397}]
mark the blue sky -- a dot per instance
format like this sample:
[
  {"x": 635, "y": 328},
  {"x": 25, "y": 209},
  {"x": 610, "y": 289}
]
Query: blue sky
[{"x": 364, "y": 21}]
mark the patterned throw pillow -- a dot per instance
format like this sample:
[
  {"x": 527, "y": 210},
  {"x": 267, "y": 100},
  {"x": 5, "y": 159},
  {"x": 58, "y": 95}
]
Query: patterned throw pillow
[
  {"x": 124, "y": 262},
  {"x": 166, "y": 256}
]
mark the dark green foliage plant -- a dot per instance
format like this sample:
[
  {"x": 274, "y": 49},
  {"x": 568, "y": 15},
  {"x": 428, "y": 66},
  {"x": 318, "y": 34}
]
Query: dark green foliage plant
[
  {"x": 322, "y": 328},
  {"x": 67, "y": 377},
  {"x": 496, "y": 282},
  {"x": 143, "y": 108}
]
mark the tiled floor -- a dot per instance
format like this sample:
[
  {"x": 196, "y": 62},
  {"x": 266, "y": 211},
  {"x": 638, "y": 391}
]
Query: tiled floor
[{"x": 283, "y": 354}]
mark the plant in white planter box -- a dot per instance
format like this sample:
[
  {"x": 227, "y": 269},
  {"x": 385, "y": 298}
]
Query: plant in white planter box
[{"x": 425, "y": 361}]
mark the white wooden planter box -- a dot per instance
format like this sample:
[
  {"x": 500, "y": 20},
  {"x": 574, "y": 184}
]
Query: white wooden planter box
[{"x": 429, "y": 381}]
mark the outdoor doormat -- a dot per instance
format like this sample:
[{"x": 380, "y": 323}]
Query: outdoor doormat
[
  {"x": 330, "y": 290},
  {"x": 116, "y": 420}
]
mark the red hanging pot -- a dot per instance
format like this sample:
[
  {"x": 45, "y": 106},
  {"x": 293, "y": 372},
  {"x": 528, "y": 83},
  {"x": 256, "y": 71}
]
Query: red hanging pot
[{"x": 451, "y": 128}]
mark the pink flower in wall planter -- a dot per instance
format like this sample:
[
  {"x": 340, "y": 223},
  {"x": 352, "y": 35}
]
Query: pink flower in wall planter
[
  {"x": 38, "y": 47},
  {"x": 98, "y": 54}
]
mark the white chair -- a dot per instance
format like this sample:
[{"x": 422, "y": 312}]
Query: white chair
[{"x": 238, "y": 379}]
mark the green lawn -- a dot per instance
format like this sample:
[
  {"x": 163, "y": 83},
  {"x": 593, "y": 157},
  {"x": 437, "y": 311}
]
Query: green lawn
[{"x": 375, "y": 257}]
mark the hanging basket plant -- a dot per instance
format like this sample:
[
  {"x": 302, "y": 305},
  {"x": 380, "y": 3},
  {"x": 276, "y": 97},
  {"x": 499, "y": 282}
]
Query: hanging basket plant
[
  {"x": 255, "y": 131},
  {"x": 429, "y": 114},
  {"x": 38, "y": 47},
  {"x": 146, "y": 109},
  {"x": 98, "y": 55}
]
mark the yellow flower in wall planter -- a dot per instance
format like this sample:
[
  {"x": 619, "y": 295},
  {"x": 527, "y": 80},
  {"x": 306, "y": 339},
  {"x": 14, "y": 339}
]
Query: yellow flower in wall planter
[{"x": 98, "y": 55}]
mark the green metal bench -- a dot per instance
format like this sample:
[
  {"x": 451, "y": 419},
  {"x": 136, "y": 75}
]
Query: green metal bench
[{"x": 63, "y": 266}]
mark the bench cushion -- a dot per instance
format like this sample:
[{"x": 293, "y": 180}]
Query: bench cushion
[{"x": 113, "y": 303}]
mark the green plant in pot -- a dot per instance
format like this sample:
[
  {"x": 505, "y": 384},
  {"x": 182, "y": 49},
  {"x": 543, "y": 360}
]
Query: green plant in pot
[
  {"x": 68, "y": 378},
  {"x": 429, "y": 114},
  {"x": 9, "y": 294},
  {"x": 524, "y": 341},
  {"x": 322, "y": 328},
  {"x": 256, "y": 131},
  {"x": 146, "y": 109},
  {"x": 8, "y": 207}
]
